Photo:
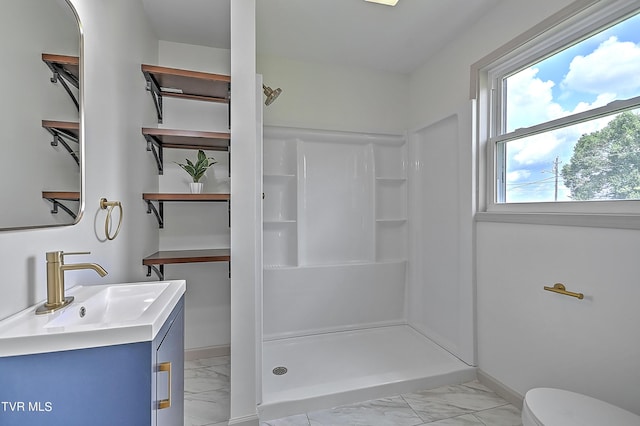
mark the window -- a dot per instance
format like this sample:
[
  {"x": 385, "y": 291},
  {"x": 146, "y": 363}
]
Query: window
[{"x": 562, "y": 116}]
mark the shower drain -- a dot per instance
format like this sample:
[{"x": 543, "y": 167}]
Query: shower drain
[{"x": 279, "y": 371}]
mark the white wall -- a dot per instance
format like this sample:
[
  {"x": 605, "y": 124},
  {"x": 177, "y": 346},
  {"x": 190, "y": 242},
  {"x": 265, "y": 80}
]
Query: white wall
[
  {"x": 246, "y": 243},
  {"x": 197, "y": 225},
  {"x": 117, "y": 39},
  {"x": 528, "y": 337},
  {"x": 332, "y": 97}
]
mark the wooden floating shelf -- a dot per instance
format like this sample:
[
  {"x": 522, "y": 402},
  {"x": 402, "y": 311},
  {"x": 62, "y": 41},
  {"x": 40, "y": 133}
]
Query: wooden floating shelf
[
  {"x": 161, "y": 198},
  {"x": 71, "y": 64},
  {"x": 64, "y": 132},
  {"x": 61, "y": 195},
  {"x": 68, "y": 126},
  {"x": 185, "y": 197},
  {"x": 187, "y": 256},
  {"x": 157, "y": 260},
  {"x": 66, "y": 71},
  {"x": 55, "y": 197},
  {"x": 188, "y": 139},
  {"x": 187, "y": 84}
]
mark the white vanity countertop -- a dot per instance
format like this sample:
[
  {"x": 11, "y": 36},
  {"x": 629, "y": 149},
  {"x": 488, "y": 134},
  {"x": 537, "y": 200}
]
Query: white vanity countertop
[{"x": 114, "y": 314}]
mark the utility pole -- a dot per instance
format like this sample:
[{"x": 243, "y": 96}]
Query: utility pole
[
  {"x": 555, "y": 172},
  {"x": 555, "y": 169}
]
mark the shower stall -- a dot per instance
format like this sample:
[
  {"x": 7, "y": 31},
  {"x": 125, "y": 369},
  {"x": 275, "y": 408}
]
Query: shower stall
[{"x": 367, "y": 281}]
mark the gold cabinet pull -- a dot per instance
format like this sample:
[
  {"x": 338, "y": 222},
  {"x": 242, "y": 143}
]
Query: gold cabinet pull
[
  {"x": 165, "y": 403},
  {"x": 561, "y": 289}
]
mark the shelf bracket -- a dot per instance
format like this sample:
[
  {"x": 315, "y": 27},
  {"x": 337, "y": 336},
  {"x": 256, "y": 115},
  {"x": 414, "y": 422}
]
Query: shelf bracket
[
  {"x": 154, "y": 146},
  {"x": 159, "y": 212},
  {"x": 60, "y": 138},
  {"x": 56, "y": 204},
  {"x": 154, "y": 88},
  {"x": 65, "y": 78},
  {"x": 229, "y": 107},
  {"x": 159, "y": 270}
]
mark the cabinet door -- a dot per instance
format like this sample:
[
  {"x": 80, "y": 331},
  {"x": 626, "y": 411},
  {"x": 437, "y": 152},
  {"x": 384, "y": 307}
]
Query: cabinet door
[{"x": 169, "y": 370}]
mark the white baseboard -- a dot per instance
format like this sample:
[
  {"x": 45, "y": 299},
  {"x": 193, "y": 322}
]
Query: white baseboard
[
  {"x": 252, "y": 420},
  {"x": 504, "y": 391},
  {"x": 210, "y": 352}
]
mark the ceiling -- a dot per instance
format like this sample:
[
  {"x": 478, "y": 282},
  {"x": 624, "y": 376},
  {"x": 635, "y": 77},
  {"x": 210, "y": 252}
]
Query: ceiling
[{"x": 348, "y": 32}]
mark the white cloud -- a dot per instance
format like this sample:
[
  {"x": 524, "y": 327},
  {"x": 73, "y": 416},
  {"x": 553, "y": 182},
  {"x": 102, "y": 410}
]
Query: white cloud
[
  {"x": 609, "y": 71},
  {"x": 518, "y": 175},
  {"x": 530, "y": 100},
  {"x": 535, "y": 148},
  {"x": 611, "y": 68}
]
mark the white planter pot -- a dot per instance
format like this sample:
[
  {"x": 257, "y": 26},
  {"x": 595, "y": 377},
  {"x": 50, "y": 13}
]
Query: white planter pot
[{"x": 196, "y": 187}]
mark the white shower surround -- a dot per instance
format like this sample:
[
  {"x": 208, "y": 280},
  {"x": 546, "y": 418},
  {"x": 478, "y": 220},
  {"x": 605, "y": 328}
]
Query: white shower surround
[
  {"x": 346, "y": 280},
  {"x": 335, "y": 231}
]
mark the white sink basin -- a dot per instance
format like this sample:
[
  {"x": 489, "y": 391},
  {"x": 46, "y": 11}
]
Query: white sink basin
[
  {"x": 114, "y": 304},
  {"x": 101, "y": 315}
]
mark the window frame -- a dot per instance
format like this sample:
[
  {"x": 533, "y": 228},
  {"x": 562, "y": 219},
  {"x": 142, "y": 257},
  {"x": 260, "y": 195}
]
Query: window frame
[{"x": 570, "y": 25}]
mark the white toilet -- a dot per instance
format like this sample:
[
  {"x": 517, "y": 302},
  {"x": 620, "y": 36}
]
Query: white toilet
[{"x": 556, "y": 407}]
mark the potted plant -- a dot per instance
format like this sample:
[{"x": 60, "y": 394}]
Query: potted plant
[{"x": 197, "y": 170}]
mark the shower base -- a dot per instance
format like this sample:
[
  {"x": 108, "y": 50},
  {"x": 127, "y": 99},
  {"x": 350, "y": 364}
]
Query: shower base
[{"x": 327, "y": 370}]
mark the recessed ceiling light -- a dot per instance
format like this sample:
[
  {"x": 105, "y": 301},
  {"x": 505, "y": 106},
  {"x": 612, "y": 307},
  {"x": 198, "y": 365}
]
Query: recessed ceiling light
[{"x": 385, "y": 2}]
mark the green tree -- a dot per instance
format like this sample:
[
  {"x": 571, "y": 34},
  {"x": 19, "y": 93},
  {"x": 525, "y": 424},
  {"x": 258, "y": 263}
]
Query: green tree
[{"x": 606, "y": 164}]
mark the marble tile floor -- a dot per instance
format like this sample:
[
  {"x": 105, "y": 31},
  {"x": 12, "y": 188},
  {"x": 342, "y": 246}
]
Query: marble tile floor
[
  {"x": 206, "y": 392},
  {"x": 206, "y": 401}
]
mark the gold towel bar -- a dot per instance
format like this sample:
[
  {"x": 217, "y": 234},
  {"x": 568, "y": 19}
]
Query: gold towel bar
[{"x": 560, "y": 288}]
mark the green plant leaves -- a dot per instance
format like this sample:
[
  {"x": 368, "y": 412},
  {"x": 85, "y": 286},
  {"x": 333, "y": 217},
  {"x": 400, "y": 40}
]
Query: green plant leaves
[{"x": 197, "y": 170}]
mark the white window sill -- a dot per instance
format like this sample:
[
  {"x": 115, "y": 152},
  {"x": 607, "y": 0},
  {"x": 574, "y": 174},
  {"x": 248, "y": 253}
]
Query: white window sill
[{"x": 617, "y": 221}]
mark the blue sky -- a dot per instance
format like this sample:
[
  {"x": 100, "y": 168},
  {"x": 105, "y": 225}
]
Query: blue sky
[{"x": 590, "y": 74}]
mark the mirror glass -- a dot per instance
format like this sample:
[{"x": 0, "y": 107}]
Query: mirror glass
[{"x": 41, "y": 166}]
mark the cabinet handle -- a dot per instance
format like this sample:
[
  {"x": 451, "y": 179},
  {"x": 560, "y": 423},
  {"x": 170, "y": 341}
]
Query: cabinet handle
[{"x": 165, "y": 403}]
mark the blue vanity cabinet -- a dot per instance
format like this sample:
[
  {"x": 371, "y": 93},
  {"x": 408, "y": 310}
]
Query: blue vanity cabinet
[
  {"x": 169, "y": 373},
  {"x": 102, "y": 386}
]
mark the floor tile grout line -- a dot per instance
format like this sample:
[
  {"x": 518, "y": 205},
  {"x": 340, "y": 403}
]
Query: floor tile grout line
[{"x": 414, "y": 411}]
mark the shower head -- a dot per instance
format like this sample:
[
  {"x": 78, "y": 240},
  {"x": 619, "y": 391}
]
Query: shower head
[{"x": 270, "y": 94}]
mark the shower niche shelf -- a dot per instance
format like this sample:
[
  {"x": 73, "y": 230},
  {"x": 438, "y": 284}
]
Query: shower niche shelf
[
  {"x": 300, "y": 171},
  {"x": 159, "y": 139}
]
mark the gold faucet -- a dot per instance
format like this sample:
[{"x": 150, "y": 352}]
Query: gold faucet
[{"x": 55, "y": 280}]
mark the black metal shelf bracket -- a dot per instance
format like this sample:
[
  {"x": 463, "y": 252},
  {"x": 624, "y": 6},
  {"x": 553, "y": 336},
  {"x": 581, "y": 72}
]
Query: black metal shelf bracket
[
  {"x": 159, "y": 212},
  {"x": 155, "y": 146},
  {"x": 154, "y": 88},
  {"x": 60, "y": 137},
  {"x": 56, "y": 204},
  {"x": 159, "y": 270},
  {"x": 229, "y": 104},
  {"x": 60, "y": 74}
]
